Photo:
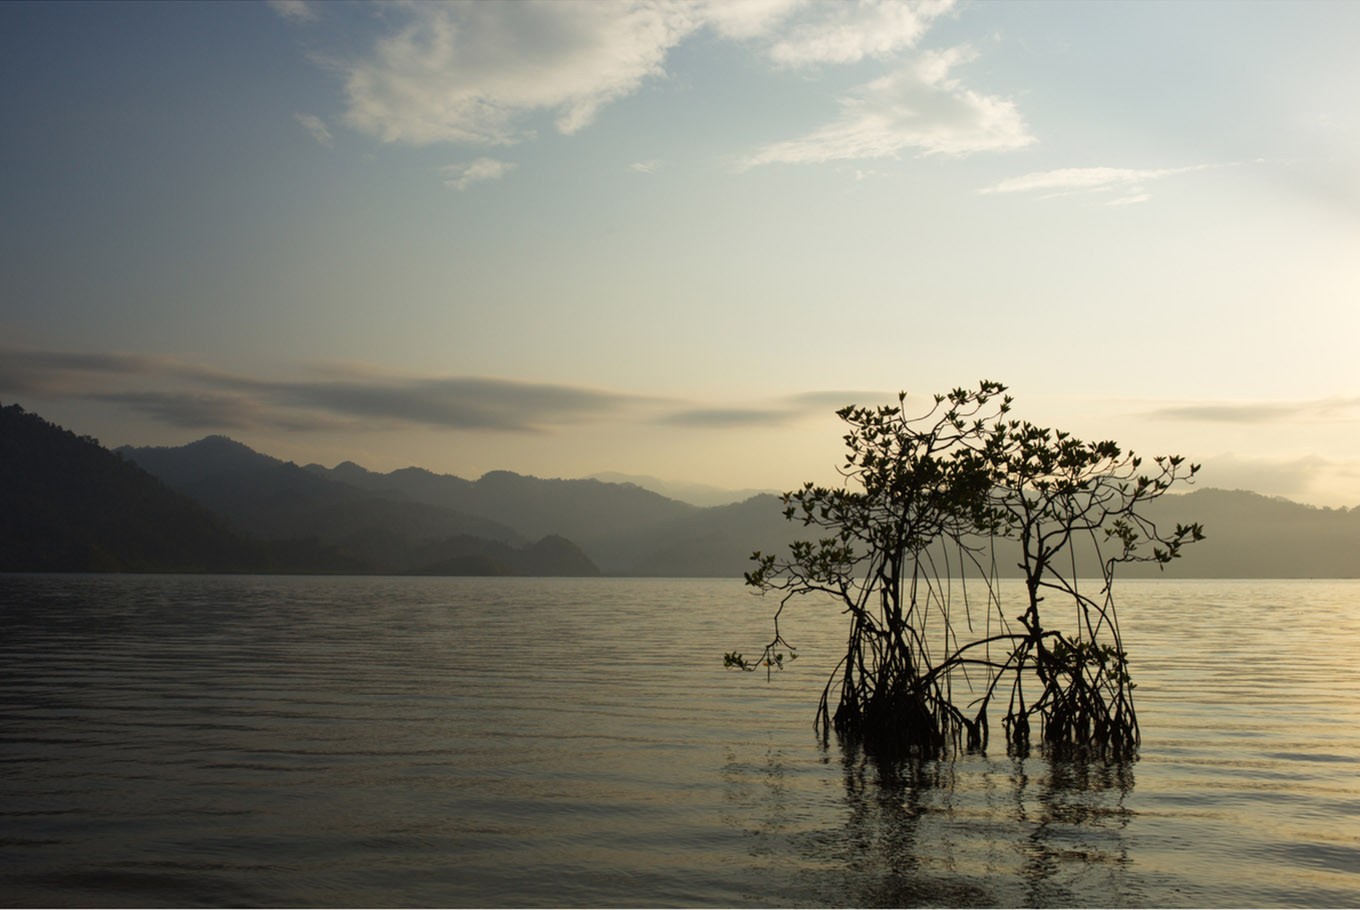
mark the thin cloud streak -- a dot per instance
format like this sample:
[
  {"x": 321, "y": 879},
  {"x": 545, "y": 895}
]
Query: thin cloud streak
[
  {"x": 346, "y": 396},
  {"x": 38, "y": 372},
  {"x": 463, "y": 175},
  {"x": 728, "y": 418},
  {"x": 919, "y": 107},
  {"x": 1261, "y": 412},
  {"x": 1070, "y": 180},
  {"x": 317, "y": 128},
  {"x": 190, "y": 410},
  {"x": 834, "y": 400},
  {"x": 213, "y": 398},
  {"x": 784, "y": 411},
  {"x": 464, "y": 403}
]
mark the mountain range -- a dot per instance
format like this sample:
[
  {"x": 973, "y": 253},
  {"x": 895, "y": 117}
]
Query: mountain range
[{"x": 216, "y": 505}]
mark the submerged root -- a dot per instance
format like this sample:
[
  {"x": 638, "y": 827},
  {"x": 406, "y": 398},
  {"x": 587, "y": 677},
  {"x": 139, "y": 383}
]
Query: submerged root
[{"x": 901, "y": 719}]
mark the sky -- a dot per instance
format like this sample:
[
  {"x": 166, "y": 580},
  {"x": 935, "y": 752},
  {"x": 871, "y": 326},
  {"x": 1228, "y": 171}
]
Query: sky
[{"x": 672, "y": 238}]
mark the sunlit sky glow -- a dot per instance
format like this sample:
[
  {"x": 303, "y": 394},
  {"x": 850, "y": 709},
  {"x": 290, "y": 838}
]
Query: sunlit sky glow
[{"x": 670, "y": 238}]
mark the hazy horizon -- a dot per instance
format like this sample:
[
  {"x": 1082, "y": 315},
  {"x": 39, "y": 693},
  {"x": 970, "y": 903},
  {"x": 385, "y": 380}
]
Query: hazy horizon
[
  {"x": 685, "y": 491},
  {"x": 670, "y": 239}
]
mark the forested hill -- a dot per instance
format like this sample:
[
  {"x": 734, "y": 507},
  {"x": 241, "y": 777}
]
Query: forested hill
[
  {"x": 582, "y": 510},
  {"x": 71, "y": 505},
  {"x": 382, "y": 531}
]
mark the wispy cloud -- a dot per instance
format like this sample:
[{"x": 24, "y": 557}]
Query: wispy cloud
[
  {"x": 469, "y": 73},
  {"x": 54, "y": 373},
  {"x": 314, "y": 125},
  {"x": 482, "y": 74},
  {"x": 191, "y": 410},
  {"x": 850, "y": 32},
  {"x": 727, "y": 418},
  {"x": 350, "y": 396},
  {"x": 645, "y": 167},
  {"x": 294, "y": 10},
  {"x": 461, "y": 176},
  {"x": 197, "y": 397},
  {"x": 831, "y": 400},
  {"x": 782, "y": 411},
  {"x": 743, "y": 20},
  {"x": 1066, "y": 181},
  {"x": 920, "y": 107},
  {"x": 1251, "y": 412},
  {"x": 465, "y": 403}
]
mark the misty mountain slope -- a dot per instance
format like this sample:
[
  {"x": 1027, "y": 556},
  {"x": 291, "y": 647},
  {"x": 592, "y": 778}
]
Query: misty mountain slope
[
  {"x": 1248, "y": 535},
  {"x": 275, "y": 500},
  {"x": 72, "y": 505},
  {"x": 376, "y": 530},
  {"x": 234, "y": 480},
  {"x": 714, "y": 542},
  {"x": 579, "y": 510},
  {"x": 695, "y": 494}
]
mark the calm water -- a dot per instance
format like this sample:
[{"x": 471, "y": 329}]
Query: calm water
[{"x": 378, "y": 742}]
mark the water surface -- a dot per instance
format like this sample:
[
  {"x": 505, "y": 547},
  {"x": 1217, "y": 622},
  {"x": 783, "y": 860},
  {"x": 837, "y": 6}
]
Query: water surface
[{"x": 519, "y": 742}]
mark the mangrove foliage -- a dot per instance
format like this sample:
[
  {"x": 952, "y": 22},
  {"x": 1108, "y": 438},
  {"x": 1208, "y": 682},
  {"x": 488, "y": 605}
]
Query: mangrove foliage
[{"x": 908, "y": 549}]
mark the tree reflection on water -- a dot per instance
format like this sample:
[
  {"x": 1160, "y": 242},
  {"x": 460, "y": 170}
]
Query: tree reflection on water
[{"x": 966, "y": 832}]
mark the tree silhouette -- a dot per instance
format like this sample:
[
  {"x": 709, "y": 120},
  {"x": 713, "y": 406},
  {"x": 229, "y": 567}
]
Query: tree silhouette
[{"x": 927, "y": 504}]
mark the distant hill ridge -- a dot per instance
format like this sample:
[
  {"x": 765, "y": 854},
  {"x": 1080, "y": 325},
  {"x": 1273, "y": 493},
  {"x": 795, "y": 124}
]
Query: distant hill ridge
[
  {"x": 71, "y": 505},
  {"x": 383, "y": 531},
  {"x": 696, "y": 494},
  {"x": 258, "y": 513}
]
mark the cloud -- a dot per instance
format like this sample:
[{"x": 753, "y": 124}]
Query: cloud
[
  {"x": 834, "y": 399},
  {"x": 470, "y": 73},
  {"x": 782, "y": 411},
  {"x": 191, "y": 410},
  {"x": 794, "y": 33},
  {"x": 1257, "y": 412},
  {"x": 726, "y": 418},
  {"x": 918, "y": 107},
  {"x": 744, "y": 19},
  {"x": 645, "y": 167},
  {"x": 850, "y": 32},
  {"x": 35, "y": 372},
  {"x": 478, "y": 73},
  {"x": 358, "y": 396},
  {"x": 465, "y": 403},
  {"x": 197, "y": 397},
  {"x": 461, "y": 176},
  {"x": 295, "y": 10},
  {"x": 314, "y": 125},
  {"x": 1065, "y": 181}
]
